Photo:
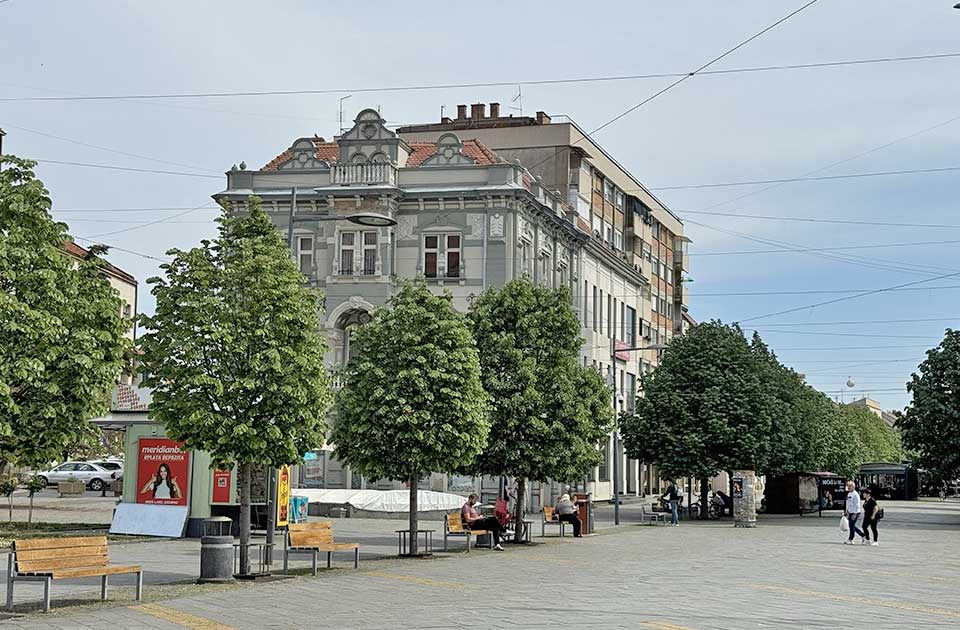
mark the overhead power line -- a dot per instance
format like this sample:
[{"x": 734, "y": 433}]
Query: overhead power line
[
  {"x": 849, "y": 297},
  {"x": 864, "y": 321},
  {"x": 823, "y": 249},
  {"x": 946, "y": 169},
  {"x": 128, "y": 168},
  {"x": 819, "y": 220},
  {"x": 486, "y": 84},
  {"x": 819, "y": 333},
  {"x": 839, "y": 162},
  {"x": 143, "y": 225},
  {"x": 817, "y": 291}
]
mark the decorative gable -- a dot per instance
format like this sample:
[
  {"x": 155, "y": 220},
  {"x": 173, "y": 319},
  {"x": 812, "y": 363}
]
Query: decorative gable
[
  {"x": 302, "y": 156},
  {"x": 369, "y": 140},
  {"x": 449, "y": 153}
]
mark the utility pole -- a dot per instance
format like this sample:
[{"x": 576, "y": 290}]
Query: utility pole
[
  {"x": 2, "y": 134},
  {"x": 616, "y": 430}
]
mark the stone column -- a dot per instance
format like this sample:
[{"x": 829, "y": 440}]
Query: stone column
[{"x": 744, "y": 498}]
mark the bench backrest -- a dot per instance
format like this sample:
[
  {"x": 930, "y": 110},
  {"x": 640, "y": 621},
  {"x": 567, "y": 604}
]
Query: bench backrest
[
  {"x": 548, "y": 514},
  {"x": 42, "y": 555},
  {"x": 455, "y": 522},
  {"x": 309, "y": 534}
]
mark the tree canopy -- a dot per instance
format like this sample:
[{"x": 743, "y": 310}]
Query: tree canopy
[
  {"x": 62, "y": 337},
  {"x": 412, "y": 401},
  {"x": 706, "y": 408},
  {"x": 547, "y": 412},
  {"x": 235, "y": 354},
  {"x": 930, "y": 424}
]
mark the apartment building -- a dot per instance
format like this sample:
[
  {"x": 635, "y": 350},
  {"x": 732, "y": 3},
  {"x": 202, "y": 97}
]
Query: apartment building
[
  {"x": 464, "y": 216},
  {"x": 643, "y": 306}
]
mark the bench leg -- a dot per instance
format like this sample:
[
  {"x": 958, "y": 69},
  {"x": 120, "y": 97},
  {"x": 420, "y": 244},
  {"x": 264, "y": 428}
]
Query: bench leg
[
  {"x": 444, "y": 538},
  {"x": 286, "y": 560},
  {"x": 356, "y": 558},
  {"x": 10, "y": 581},
  {"x": 468, "y": 543},
  {"x": 329, "y": 553},
  {"x": 46, "y": 594},
  {"x": 315, "y": 554},
  {"x": 103, "y": 588},
  {"x": 139, "y": 586},
  {"x": 543, "y": 529}
]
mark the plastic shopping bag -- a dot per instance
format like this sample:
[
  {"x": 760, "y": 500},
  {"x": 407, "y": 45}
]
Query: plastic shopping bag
[{"x": 844, "y": 524}]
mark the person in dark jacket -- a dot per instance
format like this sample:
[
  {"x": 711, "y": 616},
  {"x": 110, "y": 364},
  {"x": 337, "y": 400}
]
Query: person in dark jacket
[
  {"x": 673, "y": 494},
  {"x": 871, "y": 511}
]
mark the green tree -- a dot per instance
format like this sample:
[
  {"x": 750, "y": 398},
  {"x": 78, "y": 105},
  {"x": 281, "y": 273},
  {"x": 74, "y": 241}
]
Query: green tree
[
  {"x": 62, "y": 339},
  {"x": 412, "y": 402},
  {"x": 235, "y": 353},
  {"x": 879, "y": 443},
  {"x": 930, "y": 425},
  {"x": 706, "y": 408},
  {"x": 547, "y": 413}
]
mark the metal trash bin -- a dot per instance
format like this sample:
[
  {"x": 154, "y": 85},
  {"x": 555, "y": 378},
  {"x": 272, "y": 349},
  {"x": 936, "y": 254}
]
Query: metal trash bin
[
  {"x": 216, "y": 551},
  {"x": 584, "y": 502}
]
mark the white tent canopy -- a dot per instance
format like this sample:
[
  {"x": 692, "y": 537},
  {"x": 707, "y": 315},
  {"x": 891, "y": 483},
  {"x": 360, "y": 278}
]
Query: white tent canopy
[{"x": 383, "y": 500}]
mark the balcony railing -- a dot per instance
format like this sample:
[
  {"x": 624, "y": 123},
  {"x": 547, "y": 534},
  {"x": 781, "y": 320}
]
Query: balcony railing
[{"x": 364, "y": 174}]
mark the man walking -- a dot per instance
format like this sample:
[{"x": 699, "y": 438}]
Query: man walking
[
  {"x": 852, "y": 511},
  {"x": 673, "y": 495}
]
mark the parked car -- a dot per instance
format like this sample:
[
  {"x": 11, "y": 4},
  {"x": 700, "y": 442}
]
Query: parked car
[
  {"x": 95, "y": 476},
  {"x": 113, "y": 465}
]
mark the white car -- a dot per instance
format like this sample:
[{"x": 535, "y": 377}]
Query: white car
[{"x": 96, "y": 477}]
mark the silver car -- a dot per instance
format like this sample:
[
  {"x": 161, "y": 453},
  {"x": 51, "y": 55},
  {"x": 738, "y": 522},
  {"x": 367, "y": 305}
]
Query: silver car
[{"x": 96, "y": 477}]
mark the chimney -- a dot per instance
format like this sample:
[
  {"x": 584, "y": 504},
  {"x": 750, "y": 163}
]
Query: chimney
[
  {"x": 461, "y": 112},
  {"x": 494, "y": 110},
  {"x": 477, "y": 110},
  {"x": 542, "y": 118}
]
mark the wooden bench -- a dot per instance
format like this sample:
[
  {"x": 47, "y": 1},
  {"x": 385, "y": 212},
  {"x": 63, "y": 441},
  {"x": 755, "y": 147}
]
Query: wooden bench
[
  {"x": 312, "y": 538},
  {"x": 550, "y": 518},
  {"x": 48, "y": 559},
  {"x": 454, "y": 526}
]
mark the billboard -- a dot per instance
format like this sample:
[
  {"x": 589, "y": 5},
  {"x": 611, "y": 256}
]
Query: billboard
[
  {"x": 163, "y": 472},
  {"x": 221, "y": 486},
  {"x": 283, "y": 496}
]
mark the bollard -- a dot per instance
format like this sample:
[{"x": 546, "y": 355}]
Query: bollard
[{"x": 216, "y": 551}]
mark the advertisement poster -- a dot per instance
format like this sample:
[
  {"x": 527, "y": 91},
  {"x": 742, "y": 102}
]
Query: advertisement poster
[
  {"x": 163, "y": 472},
  {"x": 283, "y": 496},
  {"x": 738, "y": 487},
  {"x": 221, "y": 486},
  {"x": 833, "y": 493}
]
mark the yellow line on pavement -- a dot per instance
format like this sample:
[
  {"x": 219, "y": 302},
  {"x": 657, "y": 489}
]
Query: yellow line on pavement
[
  {"x": 873, "y": 571},
  {"x": 180, "y": 618},
  {"x": 944, "y": 612},
  {"x": 663, "y": 625},
  {"x": 416, "y": 580}
]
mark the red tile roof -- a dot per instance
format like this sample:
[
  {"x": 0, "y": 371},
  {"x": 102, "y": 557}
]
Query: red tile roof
[
  {"x": 419, "y": 152},
  {"x": 79, "y": 252}
]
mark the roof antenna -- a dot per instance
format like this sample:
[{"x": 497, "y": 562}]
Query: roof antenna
[{"x": 518, "y": 99}]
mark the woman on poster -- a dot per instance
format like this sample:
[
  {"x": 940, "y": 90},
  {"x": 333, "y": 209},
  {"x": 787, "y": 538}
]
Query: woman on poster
[{"x": 162, "y": 486}]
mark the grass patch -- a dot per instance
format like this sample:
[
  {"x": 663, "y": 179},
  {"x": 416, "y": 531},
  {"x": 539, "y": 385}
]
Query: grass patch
[{"x": 19, "y": 530}]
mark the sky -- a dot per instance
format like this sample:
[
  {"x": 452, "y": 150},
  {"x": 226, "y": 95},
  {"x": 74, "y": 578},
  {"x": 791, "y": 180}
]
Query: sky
[{"x": 718, "y": 128}]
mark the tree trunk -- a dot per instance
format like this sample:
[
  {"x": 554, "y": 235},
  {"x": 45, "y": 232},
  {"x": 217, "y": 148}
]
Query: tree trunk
[
  {"x": 414, "y": 524},
  {"x": 519, "y": 509},
  {"x": 30, "y": 512},
  {"x": 244, "y": 473},
  {"x": 704, "y": 491},
  {"x": 10, "y": 499}
]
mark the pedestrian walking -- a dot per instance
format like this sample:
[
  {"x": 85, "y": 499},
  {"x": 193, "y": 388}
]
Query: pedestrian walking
[
  {"x": 673, "y": 494},
  {"x": 871, "y": 517},
  {"x": 852, "y": 512}
]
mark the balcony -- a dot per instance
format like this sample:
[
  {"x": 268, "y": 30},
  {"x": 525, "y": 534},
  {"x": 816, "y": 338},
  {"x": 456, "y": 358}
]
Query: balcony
[{"x": 371, "y": 173}]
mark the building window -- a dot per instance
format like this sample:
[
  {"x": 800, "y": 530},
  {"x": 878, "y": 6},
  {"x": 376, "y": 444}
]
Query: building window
[
  {"x": 610, "y": 315},
  {"x": 618, "y": 239},
  {"x": 347, "y": 244},
  {"x": 631, "y": 392},
  {"x": 607, "y": 232},
  {"x": 655, "y": 229},
  {"x": 352, "y": 244},
  {"x": 604, "y": 465},
  {"x": 369, "y": 253},
  {"x": 546, "y": 275},
  {"x": 305, "y": 254},
  {"x": 127, "y": 311},
  {"x": 603, "y": 320},
  {"x": 668, "y": 272},
  {"x": 629, "y": 327},
  {"x": 608, "y": 190},
  {"x": 445, "y": 247},
  {"x": 595, "y": 310}
]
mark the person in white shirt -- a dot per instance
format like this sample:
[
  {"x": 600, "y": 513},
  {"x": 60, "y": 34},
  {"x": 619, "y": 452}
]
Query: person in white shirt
[{"x": 852, "y": 512}]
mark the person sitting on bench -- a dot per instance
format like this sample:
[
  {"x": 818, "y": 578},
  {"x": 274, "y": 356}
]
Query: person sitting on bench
[
  {"x": 473, "y": 520},
  {"x": 567, "y": 512}
]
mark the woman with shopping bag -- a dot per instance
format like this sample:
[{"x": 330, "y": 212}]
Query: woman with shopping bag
[{"x": 852, "y": 513}]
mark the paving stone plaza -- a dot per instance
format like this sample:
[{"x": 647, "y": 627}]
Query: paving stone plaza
[{"x": 788, "y": 572}]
